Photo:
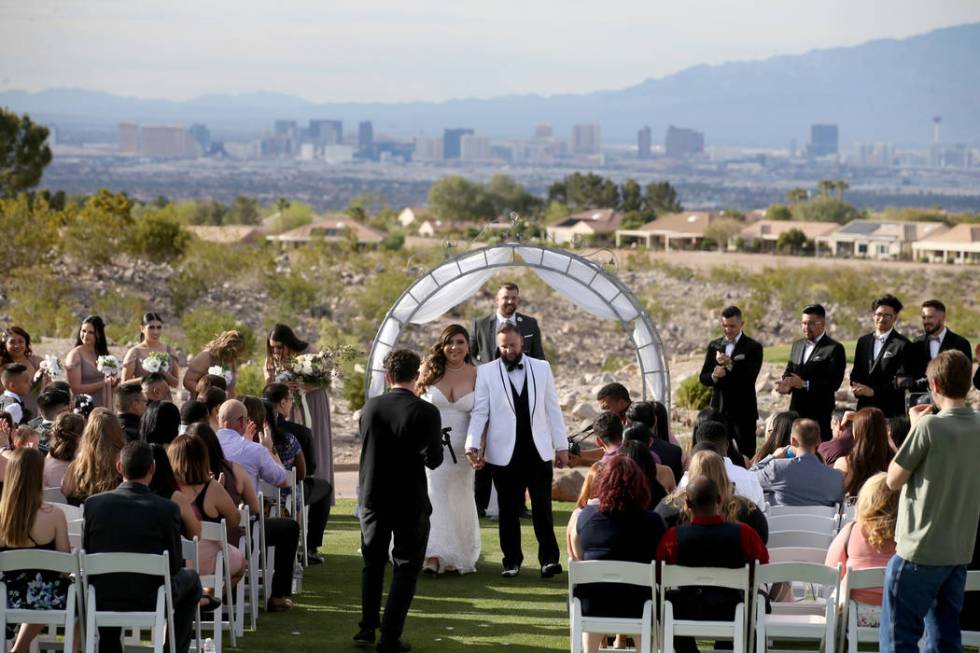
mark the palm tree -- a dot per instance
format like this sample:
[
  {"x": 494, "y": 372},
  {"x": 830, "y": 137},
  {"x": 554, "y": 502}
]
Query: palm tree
[
  {"x": 797, "y": 194},
  {"x": 841, "y": 186},
  {"x": 826, "y": 186}
]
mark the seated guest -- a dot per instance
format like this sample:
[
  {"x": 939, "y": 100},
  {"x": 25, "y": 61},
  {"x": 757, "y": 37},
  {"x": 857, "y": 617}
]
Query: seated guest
[
  {"x": 63, "y": 444},
  {"x": 619, "y": 527},
  {"x": 746, "y": 483},
  {"x": 23, "y": 437},
  {"x": 662, "y": 425},
  {"x": 641, "y": 433},
  {"x": 615, "y": 398},
  {"x": 317, "y": 492},
  {"x": 16, "y": 387},
  {"x": 712, "y": 415},
  {"x": 213, "y": 397},
  {"x": 871, "y": 453},
  {"x": 639, "y": 453},
  {"x": 708, "y": 541},
  {"x": 842, "y": 439},
  {"x": 193, "y": 412},
  {"x": 802, "y": 480},
  {"x": 608, "y": 431},
  {"x": 51, "y": 403},
  {"x": 94, "y": 470},
  {"x": 260, "y": 461},
  {"x": 164, "y": 484},
  {"x": 669, "y": 454},
  {"x": 208, "y": 499},
  {"x": 130, "y": 406},
  {"x": 868, "y": 541},
  {"x": 898, "y": 429},
  {"x": 255, "y": 409},
  {"x": 156, "y": 388},
  {"x": 160, "y": 423},
  {"x": 132, "y": 519},
  {"x": 26, "y": 522},
  {"x": 588, "y": 494},
  {"x": 778, "y": 426},
  {"x": 707, "y": 463}
]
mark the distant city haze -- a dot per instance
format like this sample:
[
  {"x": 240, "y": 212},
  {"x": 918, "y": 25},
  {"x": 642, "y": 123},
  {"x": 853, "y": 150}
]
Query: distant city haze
[{"x": 383, "y": 51}]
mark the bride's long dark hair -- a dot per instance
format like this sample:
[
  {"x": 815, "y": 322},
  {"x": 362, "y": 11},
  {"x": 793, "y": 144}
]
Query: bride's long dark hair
[{"x": 434, "y": 363}]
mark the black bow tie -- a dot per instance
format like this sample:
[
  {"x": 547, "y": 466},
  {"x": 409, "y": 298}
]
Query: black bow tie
[{"x": 514, "y": 366}]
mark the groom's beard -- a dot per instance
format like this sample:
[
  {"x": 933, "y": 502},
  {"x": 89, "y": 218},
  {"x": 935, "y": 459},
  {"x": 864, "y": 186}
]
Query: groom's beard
[{"x": 512, "y": 359}]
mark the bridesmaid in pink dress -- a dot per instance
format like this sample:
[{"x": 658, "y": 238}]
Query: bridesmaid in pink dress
[
  {"x": 225, "y": 350},
  {"x": 151, "y": 327},
  {"x": 81, "y": 363}
]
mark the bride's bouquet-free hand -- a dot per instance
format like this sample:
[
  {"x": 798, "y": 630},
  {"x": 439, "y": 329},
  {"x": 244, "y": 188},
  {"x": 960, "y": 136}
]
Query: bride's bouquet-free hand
[
  {"x": 217, "y": 370},
  {"x": 108, "y": 365},
  {"x": 156, "y": 361},
  {"x": 317, "y": 369}
]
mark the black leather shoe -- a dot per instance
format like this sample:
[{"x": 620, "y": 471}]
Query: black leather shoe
[
  {"x": 398, "y": 646},
  {"x": 550, "y": 569},
  {"x": 364, "y": 637},
  {"x": 525, "y": 513},
  {"x": 314, "y": 558},
  {"x": 510, "y": 571}
]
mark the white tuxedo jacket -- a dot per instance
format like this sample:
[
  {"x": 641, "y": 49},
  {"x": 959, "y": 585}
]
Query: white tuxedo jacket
[{"x": 494, "y": 407}]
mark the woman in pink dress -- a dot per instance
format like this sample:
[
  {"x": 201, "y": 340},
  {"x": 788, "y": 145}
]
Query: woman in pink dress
[
  {"x": 151, "y": 327},
  {"x": 225, "y": 352},
  {"x": 81, "y": 363}
]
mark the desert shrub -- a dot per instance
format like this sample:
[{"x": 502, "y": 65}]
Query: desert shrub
[
  {"x": 96, "y": 233},
  {"x": 30, "y": 230},
  {"x": 692, "y": 394},
  {"x": 380, "y": 293},
  {"x": 158, "y": 236},
  {"x": 613, "y": 363},
  {"x": 206, "y": 264},
  {"x": 41, "y": 301},
  {"x": 121, "y": 312},
  {"x": 290, "y": 293},
  {"x": 200, "y": 326},
  {"x": 393, "y": 242},
  {"x": 353, "y": 390},
  {"x": 251, "y": 379}
]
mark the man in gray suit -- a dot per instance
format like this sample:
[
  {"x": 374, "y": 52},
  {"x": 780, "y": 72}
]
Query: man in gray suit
[{"x": 794, "y": 476}]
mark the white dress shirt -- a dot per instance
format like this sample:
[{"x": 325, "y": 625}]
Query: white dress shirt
[
  {"x": 730, "y": 346},
  {"x": 746, "y": 483},
  {"x": 810, "y": 346},
  {"x": 517, "y": 374},
  {"x": 880, "y": 343},
  {"x": 501, "y": 320},
  {"x": 15, "y": 410},
  {"x": 935, "y": 342}
]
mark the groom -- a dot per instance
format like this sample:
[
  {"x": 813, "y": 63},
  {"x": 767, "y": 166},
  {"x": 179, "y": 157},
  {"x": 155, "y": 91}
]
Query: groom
[{"x": 517, "y": 404}]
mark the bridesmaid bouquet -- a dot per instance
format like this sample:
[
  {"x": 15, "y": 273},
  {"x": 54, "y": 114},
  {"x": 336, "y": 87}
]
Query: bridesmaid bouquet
[
  {"x": 217, "y": 370},
  {"x": 157, "y": 361},
  {"x": 50, "y": 366},
  {"x": 108, "y": 365},
  {"x": 316, "y": 369}
]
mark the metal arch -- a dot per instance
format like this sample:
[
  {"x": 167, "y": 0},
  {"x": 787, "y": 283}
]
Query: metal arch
[{"x": 516, "y": 261}]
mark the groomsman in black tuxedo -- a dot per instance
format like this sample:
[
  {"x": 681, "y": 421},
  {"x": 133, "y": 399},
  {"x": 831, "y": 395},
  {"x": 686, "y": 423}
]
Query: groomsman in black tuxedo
[
  {"x": 483, "y": 341},
  {"x": 815, "y": 370},
  {"x": 731, "y": 366},
  {"x": 937, "y": 337},
  {"x": 878, "y": 359}
]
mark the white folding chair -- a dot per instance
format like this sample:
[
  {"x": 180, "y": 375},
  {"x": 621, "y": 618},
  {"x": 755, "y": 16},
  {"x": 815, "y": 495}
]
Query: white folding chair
[
  {"x": 53, "y": 495},
  {"x": 798, "y": 554},
  {"x": 818, "y": 511},
  {"x": 246, "y": 592},
  {"x": 266, "y": 553},
  {"x": 611, "y": 571},
  {"x": 159, "y": 621},
  {"x": 859, "y": 579},
  {"x": 189, "y": 552},
  {"x": 820, "y": 627},
  {"x": 674, "y": 577},
  {"x": 807, "y": 539},
  {"x": 220, "y": 581},
  {"x": 76, "y": 533},
  {"x": 302, "y": 517},
  {"x": 71, "y": 512},
  {"x": 41, "y": 560},
  {"x": 811, "y": 523},
  {"x": 972, "y": 637}
]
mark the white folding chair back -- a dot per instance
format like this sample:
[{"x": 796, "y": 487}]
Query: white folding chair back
[
  {"x": 675, "y": 577},
  {"x": 809, "y": 523},
  {"x": 246, "y": 592},
  {"x": 159, "y": 621},
  {"x": 971, "y": 638},
  {"x": 797, "y": 625},
  {"x": 611, "y": 571},
  {"x": 818, "y": 511},
  {"x": 220, "y": 580},
  {"x": 53, "y": 495},
  {"x": 76, "y": 532},
  {"x": 795, "y": 539},
  {"x": 53, "y": 561},
  {"x": 302, "y": 517},
  {"x": 266, "y": 556},
  {"x": 188, "y": 549},
  {"x": 859, "y": 579},
  {"x": 71, "y": 512},
  {"x": 797, "y": 554}
]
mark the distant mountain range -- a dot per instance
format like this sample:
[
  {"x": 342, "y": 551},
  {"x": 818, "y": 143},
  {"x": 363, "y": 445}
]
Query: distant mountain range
[{"x": 882, "y": 91}]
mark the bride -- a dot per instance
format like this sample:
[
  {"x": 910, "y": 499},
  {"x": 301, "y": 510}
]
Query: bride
[{"x": 447, "y": 380}]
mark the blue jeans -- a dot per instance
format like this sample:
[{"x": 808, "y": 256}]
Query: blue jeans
[{"x": 921, "y": 595}]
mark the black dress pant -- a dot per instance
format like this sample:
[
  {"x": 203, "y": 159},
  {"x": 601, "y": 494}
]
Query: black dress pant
[
  {"x": 410, "y": 529},
  {"x": 482, "y": 485},
  {"x": 284, "y": 535},
  {"x": 526, "y": 472},
  {"x": 743, "y": 431},
  {"x": 317, "y": 493},
  {"x": 185, "y": 586}
]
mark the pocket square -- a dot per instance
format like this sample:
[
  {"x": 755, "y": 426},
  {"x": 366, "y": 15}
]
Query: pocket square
[
  {"x": 740, "y": 357},
  {"x": 816, "y": 358},
  {"x": 888, "y": 354}
]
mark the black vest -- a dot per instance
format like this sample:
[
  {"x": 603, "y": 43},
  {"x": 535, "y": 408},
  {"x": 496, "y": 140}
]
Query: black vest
[
  {"x": 524, "y": 442},
  {"x": 708, "y": 545}
]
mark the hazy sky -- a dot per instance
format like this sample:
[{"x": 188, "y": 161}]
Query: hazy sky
[{"x": 394, "y": 50}]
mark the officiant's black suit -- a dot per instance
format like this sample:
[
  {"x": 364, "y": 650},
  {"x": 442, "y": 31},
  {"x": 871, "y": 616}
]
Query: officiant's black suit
[
  {"x": 824, "y": 371},
  {"x": 733, "y": 395},
  {"x": 400, "y": 437},
  {"x": 483, "y": 339},
  {"x": 881, "y": 373}
]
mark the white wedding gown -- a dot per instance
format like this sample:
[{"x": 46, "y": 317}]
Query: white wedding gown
[{"x": 454, "y": 534}]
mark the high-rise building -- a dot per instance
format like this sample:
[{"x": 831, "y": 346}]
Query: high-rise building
[
  {"x": 428, "y": 149},
  {"x": 543, "y": 132},
  {"x": 129, "y": 138},
  {"x": 451, "y": 141},
  {"x": 202, "y": 136},
  {"x": 285, "y": 128},
  {"x": 365, "y": 135},
  {"x": 167, "y": 142},
  {"x": 326, "y": 132},
  {"x": 823, "y": 140},
  {"x": 643, "y": 144},
  {"x": 475, "y": 148},
  {"x": 586, "y": 139},
  {"x": 680, "y": 143}
]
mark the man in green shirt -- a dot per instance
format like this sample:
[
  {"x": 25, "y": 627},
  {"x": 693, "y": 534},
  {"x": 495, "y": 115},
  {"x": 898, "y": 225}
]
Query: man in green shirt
[{"x": 936, "y": 469}]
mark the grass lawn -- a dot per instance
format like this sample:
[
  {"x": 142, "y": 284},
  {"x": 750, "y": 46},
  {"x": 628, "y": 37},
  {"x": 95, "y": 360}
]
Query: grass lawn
[{"x": 449, "y": 613}]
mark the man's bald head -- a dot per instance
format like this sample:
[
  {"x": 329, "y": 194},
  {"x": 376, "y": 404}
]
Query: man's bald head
[{"x": 231, "y": 415}]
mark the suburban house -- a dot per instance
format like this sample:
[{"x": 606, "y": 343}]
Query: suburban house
[
  {"x": 761, "y": 236},
  {"x": 671, "y": 231},
  {"x": 333, "y": 228},
  {"x": 877, "y": 239},
  {"x": 961, "y": 244},
  {"x": 584, "y": 226},
  {"x": 409, "y": 215},
  {"x": 226, "y": 234}
]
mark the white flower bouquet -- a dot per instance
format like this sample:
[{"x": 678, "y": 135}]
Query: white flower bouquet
[
  {"x": 217, "y": 370},
  {"x": 108, "y": 365},
  {"x": 49, "y": 366},
  {"x": 157, "y": 361},
  {"x": 316, "y": 369}
]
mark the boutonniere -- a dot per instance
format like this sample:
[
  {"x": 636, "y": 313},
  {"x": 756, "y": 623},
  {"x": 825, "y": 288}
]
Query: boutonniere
[
  {"x": 520, "y": 319},
  {"x": 740, "y": 357}
]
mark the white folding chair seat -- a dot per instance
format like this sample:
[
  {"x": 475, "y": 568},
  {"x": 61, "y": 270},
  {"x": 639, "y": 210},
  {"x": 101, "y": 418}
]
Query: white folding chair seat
[
  {"x": 818, "y": 511},
  {"x": 71, "y": 512},
  {"x": 611, "y": 571},
  {"x": 971, "y": 638},
  {"x": 808, "y": 523},
  {"x": 266, "y": 555},
  {"x": 858, "y": 579},
  {"x": 53, "y": 495},
  {"x": 675, "y": 577},
  {"x": 246, "y": 592},
  {"x": 158, "y": 621},
  {"x": 220, "y": 580},
  {"x": 76, "y": 532},
  {"x": 797, "y": 554},
  {"x": 189, "y": 552},
  {"x": 41, "y": 560},
  {"x": 795, "y": 539},
  {"x": 820, "y": 627}
]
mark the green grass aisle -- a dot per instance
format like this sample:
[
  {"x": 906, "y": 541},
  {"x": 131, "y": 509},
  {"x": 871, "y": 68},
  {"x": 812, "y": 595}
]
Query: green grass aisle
[{"x": 449, "y": 613}]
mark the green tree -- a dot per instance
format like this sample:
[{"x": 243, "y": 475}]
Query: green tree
[
  {"x": 158, "y": 236},
  {"x": 209, "y": 212},
  {"x": 509, "y": 195},
  {"x": 723, "y": 230},
  {"x": 24, "y": 153},
  {"x": 827, "y": 209},
  {"x": 825, "y": 187},
  {"x": 631, "y": 194},
  {"x": 96, "y": 233},
  {"x": 244, "y": 210},
  {"x": 792, "y": 241},
  {"x": 30, "y": 231},
  {"x": 661, "y": 197},
  {"x": 778, "y": 212},
  {"x": 796, "y": 195},
  {"x": 457, "y": 198},
  {"x": 591, "y": 191},
  {"x": 841, "y": 186}
]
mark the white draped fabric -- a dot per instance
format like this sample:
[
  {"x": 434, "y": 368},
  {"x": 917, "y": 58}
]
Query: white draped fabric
[{"x": 580, "y": 281}]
